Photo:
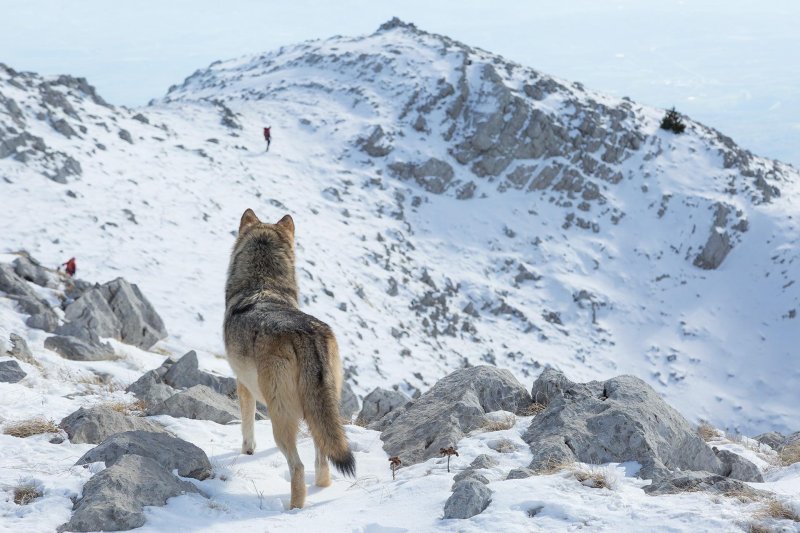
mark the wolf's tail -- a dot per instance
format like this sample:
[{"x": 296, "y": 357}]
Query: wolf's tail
[{"x": 320, "y": 383}]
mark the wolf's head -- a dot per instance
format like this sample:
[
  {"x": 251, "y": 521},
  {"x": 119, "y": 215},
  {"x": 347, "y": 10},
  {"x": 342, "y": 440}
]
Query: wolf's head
[{"x": 263, "y": 258}]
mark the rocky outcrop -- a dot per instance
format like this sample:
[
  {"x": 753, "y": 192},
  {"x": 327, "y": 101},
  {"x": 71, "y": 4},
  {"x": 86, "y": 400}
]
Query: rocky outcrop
[
  {"x": 96, "y": 424},
  {"x": 456, "y": 405},
  {"x": 621, "y": 419},
  {"x": 198, "y": 403},
  {"x": 114, "y": 499},
  {"x": 11, "y": 372},
  {"x": 17, "y": 289},
  {"x": 140, "y": 325},
  {"x": 77, "y": 349},
  {"x": 170, "y": 452}
]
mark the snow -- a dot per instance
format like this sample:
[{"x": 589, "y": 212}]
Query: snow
[{"x": 718, "y": 345}]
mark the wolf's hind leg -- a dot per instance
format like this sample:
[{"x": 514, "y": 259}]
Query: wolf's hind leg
[
  {"x": 322, "y": 471},
  {"x": 284, "y": 428},
  {"x": 247, "y": 406}
]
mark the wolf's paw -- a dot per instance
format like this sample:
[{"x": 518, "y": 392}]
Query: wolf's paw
[{"x": 248, "y": 447}]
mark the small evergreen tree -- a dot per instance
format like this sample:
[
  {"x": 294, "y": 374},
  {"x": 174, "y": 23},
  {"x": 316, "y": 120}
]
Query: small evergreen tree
[{"x": 673, "y": 121}]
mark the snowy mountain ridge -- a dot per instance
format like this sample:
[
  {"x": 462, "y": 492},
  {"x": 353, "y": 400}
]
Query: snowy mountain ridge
[{"x": 452, "y": 208}]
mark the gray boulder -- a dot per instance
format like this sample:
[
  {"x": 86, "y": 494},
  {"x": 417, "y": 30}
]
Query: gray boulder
[
  {"x": 11, "y": 372},
  {"x": 484, "y": 461},
  {"x": 456, "y": 405},
  {"x": 469, "y": 498},
  {"x": 185, "y": 373},
  {"x": 17, "y": 289},
  {"x": 349, "y": 402},
  {"x": 737, "y": 467},
  {"x": 198, "y": 403},
  {"x": 30, "y": 270},
  {"x": 140, "y": 324},
  {"x": 773, "y": 439},
  {"x": 170, "y": 452},
  {"x": 621, "y": 419},
  {"x": 470, "y": 473},
  {"x": 77, "y": 349},
  {"x": 375, "y": 145},
  {"x": 150, "y": 389},
  {"x": 380, "y": 402},
  {"x": 19, "y": 349},
  {"x": 98, "y": 423},
  {"x": 114, "y": 499},
  {"x": 46, "y": 321},
  {"x": 520, "y": 473},
  {"x": 90, "y": 313}
]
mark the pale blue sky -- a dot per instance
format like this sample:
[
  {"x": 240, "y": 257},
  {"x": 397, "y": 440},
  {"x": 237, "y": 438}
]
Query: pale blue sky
[{"x": 731, "y": 64}]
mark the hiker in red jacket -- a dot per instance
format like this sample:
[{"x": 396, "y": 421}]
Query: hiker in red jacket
[
  {"x": 267, "y": 136},
  {"x": 70, "y": 266}
]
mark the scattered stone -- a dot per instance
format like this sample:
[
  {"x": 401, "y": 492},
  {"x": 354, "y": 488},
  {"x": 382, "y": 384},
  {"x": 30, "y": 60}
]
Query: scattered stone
[
  {"x": 30, "y": 270},
  {"x": 380, "y": 402},
  {"x": 185, "y": 373},
  {"x": 470, "y": 473},
  {"x": 47, "y": 321},
  {"x": 77, "y": 349},
  {"x": 773, "y": 439},
  {"x": 374, "y": 144},
  {"x": 98, "y": 423},
  {"x": 90, "y": 313},
  {"x": 456, "y": 405},
  {"x": 150, "y": 389},
  {"x": 11, "y": 372},
  {"x": 19, "y": 349},
  {"x": 469, "y": 498},
  {"x": 114, "y": 499},
  {"x": 715, "y": 250},
  {"x": 621, "y": 419},
  {"x": 168, "y": 451},
  {"x": 198, "y": 403},
  {"x": 484, "y": 461},
  {"x": 737, "y": 467},
  {"x": 125, "y": 135},
  {"x": 520, "y": 473}
]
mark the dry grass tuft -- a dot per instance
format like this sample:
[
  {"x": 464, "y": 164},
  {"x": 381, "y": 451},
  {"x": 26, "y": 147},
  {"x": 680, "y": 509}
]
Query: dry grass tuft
[
  {"x": 135, "y": 408},
  {"x": 707, "y": 432},
  {"x": 780, "y": 511},
  {"x": 759, "y": 528},
  {"x": 534, "y": 409},
  {"x": 553, "y": 466},
  {"x": 790, "y": 454},
  {"x": 501, "y": 424},
  {"x": 360, "y": 422},
  {"x": 26, "y": 493},
  {"x": 33, "y": 426},
  {"x": 595, "y": 477}
]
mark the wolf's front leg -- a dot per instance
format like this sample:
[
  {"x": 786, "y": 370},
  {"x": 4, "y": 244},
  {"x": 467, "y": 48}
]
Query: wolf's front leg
[{"x": 247, "y": 406}]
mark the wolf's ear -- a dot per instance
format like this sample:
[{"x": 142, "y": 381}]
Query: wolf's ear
[
  {"x": 248, "y": 219},
  {"x": 287, "y": 223}
]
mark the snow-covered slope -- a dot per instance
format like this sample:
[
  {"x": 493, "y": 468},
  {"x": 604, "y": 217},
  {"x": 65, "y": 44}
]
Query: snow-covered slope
[{"x": 452, "y": 208}]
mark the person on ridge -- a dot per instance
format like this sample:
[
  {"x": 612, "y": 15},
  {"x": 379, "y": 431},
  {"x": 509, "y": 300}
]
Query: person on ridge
[
  {"x": 70, "y": 267},
  {"x": 267, "y": 136}
]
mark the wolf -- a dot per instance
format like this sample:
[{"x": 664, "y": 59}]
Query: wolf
[{"x": 281, "y": 356}]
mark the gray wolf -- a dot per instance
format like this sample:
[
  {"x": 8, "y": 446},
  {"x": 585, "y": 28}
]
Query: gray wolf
[{"x": 281, "y": 356}]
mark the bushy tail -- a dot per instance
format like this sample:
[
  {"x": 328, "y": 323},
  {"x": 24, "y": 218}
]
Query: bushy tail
[{"x": 321, "y": 393}]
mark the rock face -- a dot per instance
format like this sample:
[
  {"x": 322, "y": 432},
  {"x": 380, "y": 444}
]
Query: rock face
[
  {"x": 379, "y": 403},
  {"x": 470, "y": 497},
  {"x": 170, "y": 452},
  {"x": 621, "y": 419},
  {"x": 453, "y": 407},
  {"x": 11, "y": 372},
  {"x": 30, "y": 270},
  {"x": 90, "y": 313},
  {"x": 715, "y": 250},
  {"x": 737, "y": 467},
  {"x": 98, "y": 423},
  {"x": 19, "y": 349},
  {"x": 140, "y": 324},
  {"x": 77, "y": 349},
  {"x": 150, "y": 389},
  {"x": 114, "y": 499},
  {"x": 198, "y": 403}
]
